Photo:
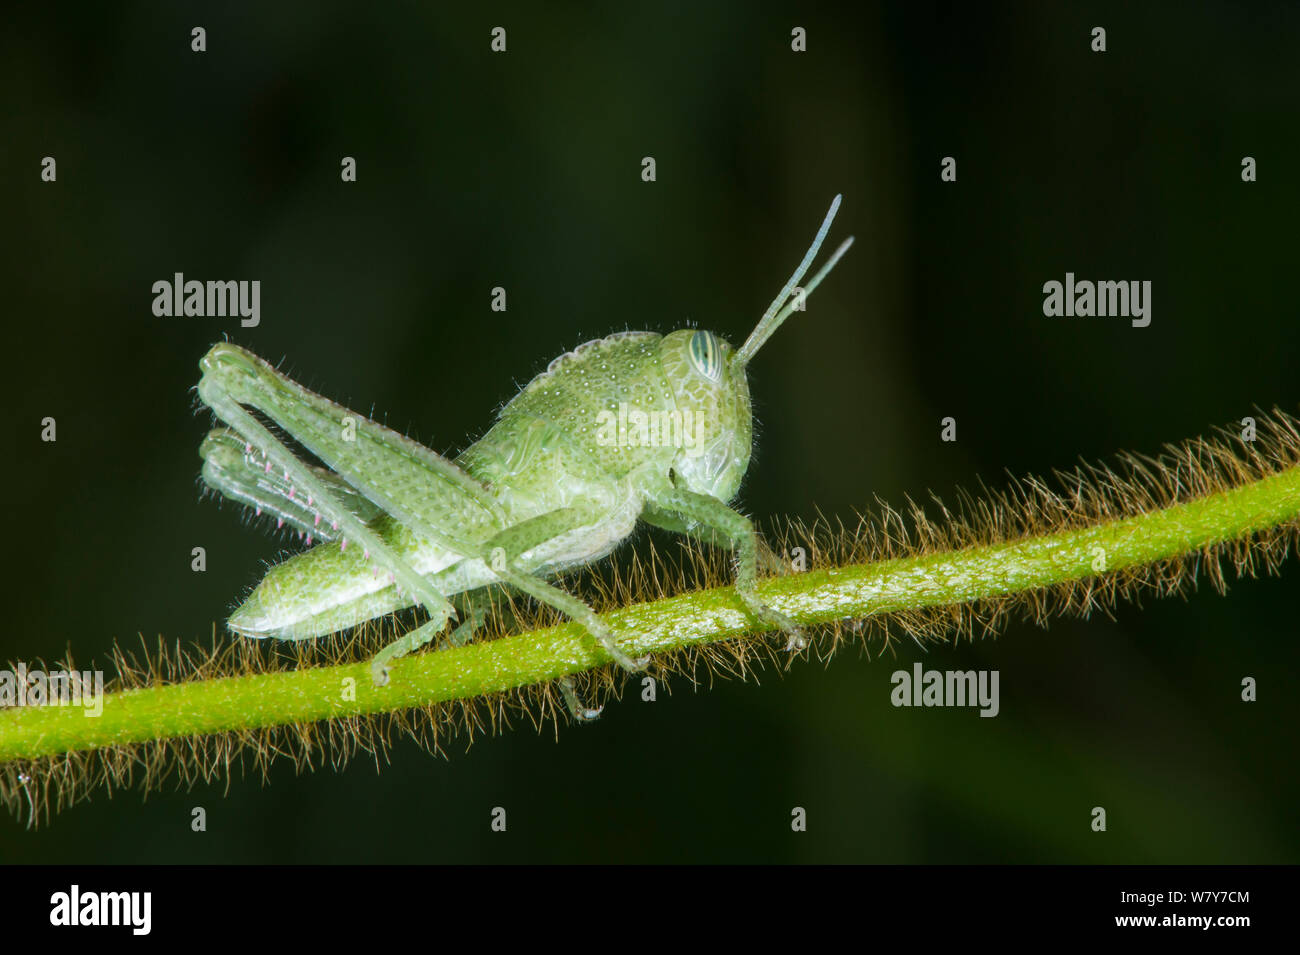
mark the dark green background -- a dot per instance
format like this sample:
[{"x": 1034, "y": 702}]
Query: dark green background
[{"x": 523, "y": 170}]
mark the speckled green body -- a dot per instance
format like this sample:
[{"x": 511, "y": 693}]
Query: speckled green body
[{"x": 543, "y": 454}]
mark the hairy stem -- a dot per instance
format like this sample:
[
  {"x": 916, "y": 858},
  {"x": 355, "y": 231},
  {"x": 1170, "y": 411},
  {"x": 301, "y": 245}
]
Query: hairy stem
[{"x": 852, "y": 591}]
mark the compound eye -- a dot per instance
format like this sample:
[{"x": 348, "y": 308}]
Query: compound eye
[{"x": 706, "y": 355}]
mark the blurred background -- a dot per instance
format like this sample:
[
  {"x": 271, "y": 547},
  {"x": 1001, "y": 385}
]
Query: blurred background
[{"x": 523, "y": 170}]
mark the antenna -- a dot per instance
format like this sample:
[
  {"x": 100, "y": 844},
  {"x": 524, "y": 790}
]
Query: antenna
[{"x": 775, "y": 314}]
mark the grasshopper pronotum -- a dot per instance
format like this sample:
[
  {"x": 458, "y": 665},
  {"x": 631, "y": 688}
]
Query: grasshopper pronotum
[{"x": 556, "y": 482}]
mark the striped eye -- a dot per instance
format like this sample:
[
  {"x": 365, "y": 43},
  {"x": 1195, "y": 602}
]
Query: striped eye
[{"x": 706, "y": 355}]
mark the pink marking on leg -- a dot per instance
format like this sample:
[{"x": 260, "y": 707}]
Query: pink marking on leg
[
  {"x": 317, "y": 522},
  {"x": 268, "y": 465},
  {"x": 343, "y": 545},
  {"x": 308, "y": 540},
  {"x": 279, "y": 523}
]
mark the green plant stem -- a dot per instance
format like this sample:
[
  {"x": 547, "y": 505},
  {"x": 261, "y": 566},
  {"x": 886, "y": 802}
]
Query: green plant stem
[{"x": 813, "y": 597}]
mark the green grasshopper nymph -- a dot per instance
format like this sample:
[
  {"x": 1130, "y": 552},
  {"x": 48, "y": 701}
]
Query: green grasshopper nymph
[{"x": 549, "y": 487}]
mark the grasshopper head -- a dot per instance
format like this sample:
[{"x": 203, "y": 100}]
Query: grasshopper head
[
  {"x": 712, "y": 398},
  {"x": 709, "y": 378}
]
